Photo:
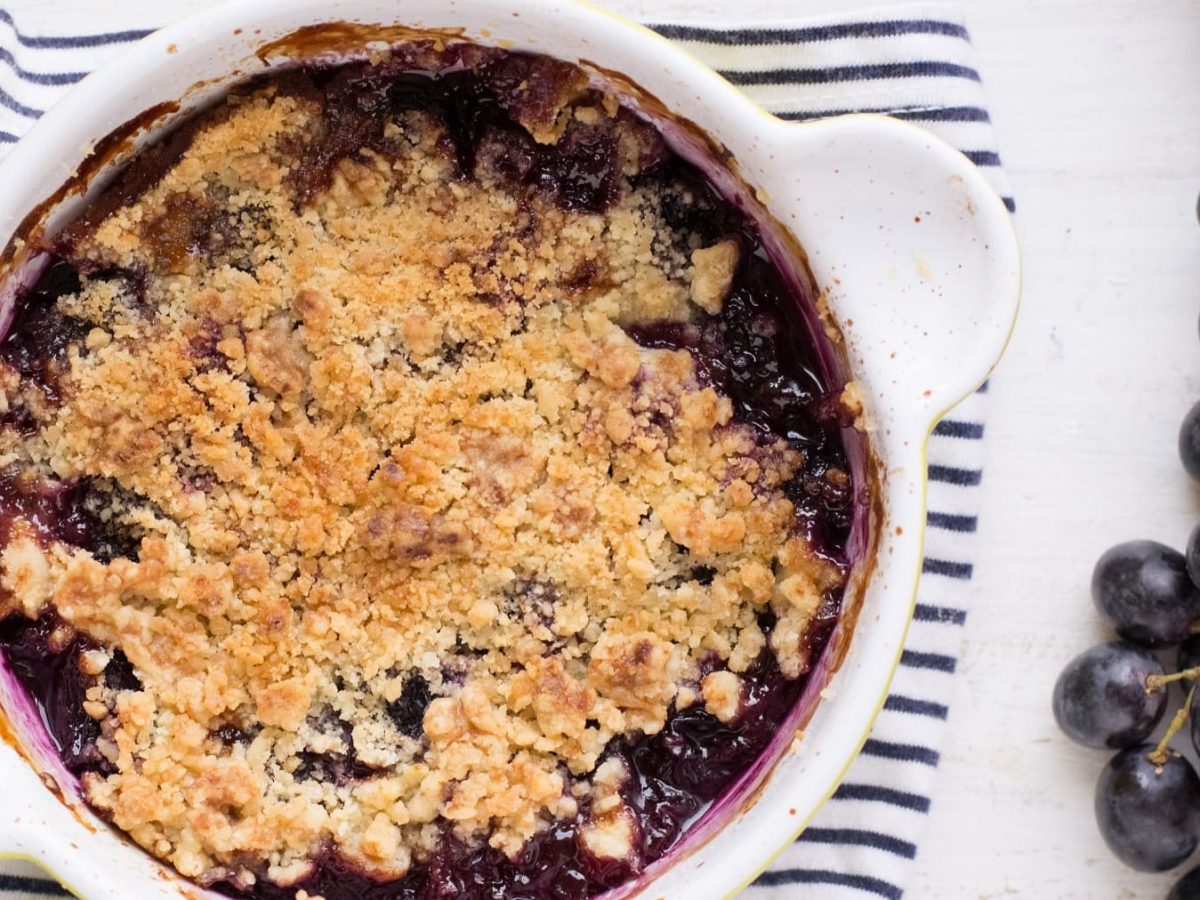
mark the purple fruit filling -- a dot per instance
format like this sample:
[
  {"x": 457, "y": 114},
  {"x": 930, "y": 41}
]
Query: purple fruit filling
[
  {"x": 756, "y": 351},
  {"x": 44, "y": 656},
  {"x": 753, "y": 352},
  {"x": 677, "y": 774}
]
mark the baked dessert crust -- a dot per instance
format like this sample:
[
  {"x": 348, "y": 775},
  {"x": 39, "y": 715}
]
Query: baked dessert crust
[{"x": 420, "y": 529}]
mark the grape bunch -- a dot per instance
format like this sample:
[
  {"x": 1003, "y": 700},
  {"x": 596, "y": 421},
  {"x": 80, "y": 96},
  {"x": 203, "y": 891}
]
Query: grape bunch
[{"x": 1115, "y": 694}]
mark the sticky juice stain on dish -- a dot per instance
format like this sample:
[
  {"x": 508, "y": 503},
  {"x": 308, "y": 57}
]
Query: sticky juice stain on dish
[
  {"x": 106, "y": 151},
  {"x": 705, "y": 340}
]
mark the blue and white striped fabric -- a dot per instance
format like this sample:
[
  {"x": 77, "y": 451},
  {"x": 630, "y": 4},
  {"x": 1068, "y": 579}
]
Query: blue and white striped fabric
[{"x": 914, "y": 62}]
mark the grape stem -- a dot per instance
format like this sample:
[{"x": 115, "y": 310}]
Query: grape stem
[
  {"x": 1156, "y": 682},
  {"x": 1161, "y": 753}
]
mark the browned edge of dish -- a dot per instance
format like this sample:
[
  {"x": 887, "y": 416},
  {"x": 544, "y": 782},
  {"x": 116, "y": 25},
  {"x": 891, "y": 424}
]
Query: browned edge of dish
[
  {"x": 29, "y": 232},
  {"x": 341, "y": 36}
]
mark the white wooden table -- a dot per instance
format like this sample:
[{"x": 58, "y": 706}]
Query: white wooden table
[{"x": 1098, "y": 110}]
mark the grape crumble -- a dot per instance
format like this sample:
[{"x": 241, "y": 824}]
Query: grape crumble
[{"x": 416, "y": 481}]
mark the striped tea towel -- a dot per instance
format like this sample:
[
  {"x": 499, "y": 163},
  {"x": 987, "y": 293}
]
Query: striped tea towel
[{"x": 914, "y": 62}]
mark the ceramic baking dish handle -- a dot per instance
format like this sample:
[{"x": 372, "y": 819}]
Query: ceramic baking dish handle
[{"x": 914, "y": 251}]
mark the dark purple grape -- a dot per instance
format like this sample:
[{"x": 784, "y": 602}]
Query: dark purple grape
[
  {"x": 1142, "y": 587},
  {"x": 1187, "y": 887},
  {"x": 1189, "y": 442},
  {"x": 1100, "y": 699},
  {"x": 1192, "y": 556},
  {"x": 408, "y": 710},
  {"x": 1149, "y": 815}
]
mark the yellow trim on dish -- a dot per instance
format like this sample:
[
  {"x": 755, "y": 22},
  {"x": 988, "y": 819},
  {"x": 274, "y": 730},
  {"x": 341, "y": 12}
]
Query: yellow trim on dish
[{"x": 26, "y": 857}]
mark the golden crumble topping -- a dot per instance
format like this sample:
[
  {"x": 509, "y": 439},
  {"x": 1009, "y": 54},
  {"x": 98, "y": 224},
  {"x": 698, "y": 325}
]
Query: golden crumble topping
[{"x": 419, "y": 528}]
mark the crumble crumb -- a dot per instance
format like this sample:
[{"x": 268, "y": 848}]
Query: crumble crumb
[
  {"x": 722, "y": 691},
  {"x": 712, "y": 274},
  {"x": 852, "y": 400}
]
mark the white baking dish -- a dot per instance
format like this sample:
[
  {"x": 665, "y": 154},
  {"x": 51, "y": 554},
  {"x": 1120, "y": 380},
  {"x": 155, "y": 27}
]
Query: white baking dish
[{"x": 912, "y": 249}]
